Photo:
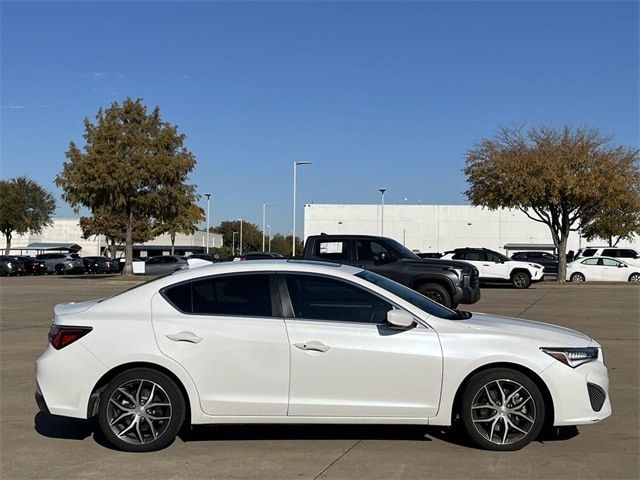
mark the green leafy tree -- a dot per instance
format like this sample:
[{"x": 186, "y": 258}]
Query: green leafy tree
[
  {"x": 114, "y": 228},
  {"x": 24, "y": 207},
  {"x": 559, "y": 177},
  {"x": 282, "y": 244},
  {"x": 131, "y": 160},
  {"x": 616, "y": 223},
  {"x": 251, "y": 235},
  {"x": 181, "y": 216}
]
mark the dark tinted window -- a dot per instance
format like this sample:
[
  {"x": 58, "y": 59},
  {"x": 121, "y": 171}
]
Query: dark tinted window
[
  {"x": 321, "y": 298},
  {"x": 610, "y": 252},
  {"x": 369, "y": 250},
  {"x": 589, "y": 252},
  {"x": 474, "y": 256},
  {"x": 458, "y": 256},
  {"x": 242, "y": 295},
  {"x": 335, "y": 250},
  {"x": 627, "y": 253}
]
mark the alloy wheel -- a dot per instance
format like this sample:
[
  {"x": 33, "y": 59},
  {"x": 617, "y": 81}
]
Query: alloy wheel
[
  {"x": 139, "y": 411},
  {"x": 634, "y": 278},
  {"x": 503, "y": 411},
  {"x": 577, "y": 278},
  {"x": 520, "y": 280}
]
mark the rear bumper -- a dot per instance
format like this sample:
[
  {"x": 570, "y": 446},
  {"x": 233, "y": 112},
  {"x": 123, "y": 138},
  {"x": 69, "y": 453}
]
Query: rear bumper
[{"x": 40, "y": 401}]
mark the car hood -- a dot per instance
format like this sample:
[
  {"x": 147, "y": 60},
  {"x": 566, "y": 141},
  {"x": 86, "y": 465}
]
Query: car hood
[
  {"x": 438, "y": 263},
  {"x": 548, "y": 334},
  {"x": 522, "y": 264},
  {"x": 73, "y": 307}
]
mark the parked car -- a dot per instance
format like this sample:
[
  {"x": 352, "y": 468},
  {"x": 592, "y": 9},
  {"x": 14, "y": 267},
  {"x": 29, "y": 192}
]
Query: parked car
[
  {"x": 33, "y": 266},
  {"x": 60, "y": 263},
  {"x": 495, "y": 267},
  {"x": 99, "y": 264},
  {"x": 11, "y": 266},
  {"x": 627, "y": 255},
  {"x": 548, "y": 260},
  {"x": 210, "y": 257},
  {"x": 258, "y": 256},
  {"x": 446, "y": 282},
  {"x": 429, "y": 255},
  {"x": 289, "y": 341},
  {"x": 604, "y": 269},
  {"x": 164, "y": 264}
]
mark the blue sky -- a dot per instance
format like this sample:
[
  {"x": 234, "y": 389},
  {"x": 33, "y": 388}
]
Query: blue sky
[{"x": 374, "y": 94}]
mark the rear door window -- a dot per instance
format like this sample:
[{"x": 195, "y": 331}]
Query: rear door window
[
  {"x": 233, "y": 295},
  {"x": 610, "y": 252},
  {"x": 332, "y": 250}
]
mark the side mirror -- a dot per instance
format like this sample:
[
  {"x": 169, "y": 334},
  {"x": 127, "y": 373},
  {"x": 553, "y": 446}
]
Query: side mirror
[
  {"x": 400, "y": 319},
  {"x": 622, "y": 265}
]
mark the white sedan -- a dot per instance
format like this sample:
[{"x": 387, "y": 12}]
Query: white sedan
[
  {"x": 603, "y": 269},
  {"x": 290, "y": 341}
]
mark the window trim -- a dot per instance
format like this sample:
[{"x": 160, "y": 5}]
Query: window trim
[
  {"x": 287, "y": 305},
  {"x": 276, "y": 304}
]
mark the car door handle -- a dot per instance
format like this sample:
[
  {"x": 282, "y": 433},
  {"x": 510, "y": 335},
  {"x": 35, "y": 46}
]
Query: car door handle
[
  {"x": 184, "y": 337},
  {"x": 312, "y": 346}
]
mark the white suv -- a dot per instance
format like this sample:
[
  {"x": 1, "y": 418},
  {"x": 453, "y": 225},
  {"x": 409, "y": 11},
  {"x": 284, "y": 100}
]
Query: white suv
[
  {"x": 495, "y": 267},
  {"x": 627, "y": 255}
]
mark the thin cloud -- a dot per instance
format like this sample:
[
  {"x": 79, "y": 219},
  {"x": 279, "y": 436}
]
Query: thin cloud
[
  {"x": 14, "y": 107},
  {"x": 24, "y": 107}
]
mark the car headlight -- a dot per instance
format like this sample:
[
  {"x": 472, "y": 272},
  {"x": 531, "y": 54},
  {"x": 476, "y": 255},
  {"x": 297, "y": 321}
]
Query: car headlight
[
  {"x": 535, "y": 265},
  {"x": 9, "y": 264},
  {"x": 573, "y": 357}
]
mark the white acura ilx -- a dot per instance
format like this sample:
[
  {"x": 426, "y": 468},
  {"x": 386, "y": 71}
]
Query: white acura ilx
[{"x": 290, "y": 341}]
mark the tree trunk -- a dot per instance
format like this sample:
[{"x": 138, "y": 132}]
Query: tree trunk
[
  {"x": 128, "y": 248},
  {"x": 610, "y": 241},
  {"x": 173, "y": 242},
  {"x": 7, "y": 249},
  {"x": 562, "y": 258},
  {"x": 112, "y": 247}
]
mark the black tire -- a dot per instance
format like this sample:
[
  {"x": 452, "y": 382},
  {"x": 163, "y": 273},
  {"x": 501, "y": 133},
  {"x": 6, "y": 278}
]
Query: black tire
[
  {"x": 436, "y": 292},
  {"x": 520, "y": 279},
  {"x": 502, "y": 424},
  {"x": 577, "y": 278},
  {"x": 59, "y": 269},
  {"x": 167, "y": 419},
  {"x": 634, "y": 277}
]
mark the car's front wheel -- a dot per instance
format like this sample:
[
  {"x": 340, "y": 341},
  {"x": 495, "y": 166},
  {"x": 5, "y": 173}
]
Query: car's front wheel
[
  {"x": 437, "y": 293},
  {"x": 502, "y": 409},
  {"x": 141, "y": 410},
  {"x": 634, "y": 278},
  {"x": 521, "y": 280}
]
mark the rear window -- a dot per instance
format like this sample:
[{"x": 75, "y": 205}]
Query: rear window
[
  {"x": 332, "y": 250},
  {"x": 589, "y": 252}
]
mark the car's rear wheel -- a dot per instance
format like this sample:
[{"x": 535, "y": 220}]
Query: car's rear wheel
[
  {"x": 502, "y": 409},
  {"x": 577, "y": 278},
  {"x": 634, "y": 278},
  {"x": 59, "y": 269},
  {"x": 141, "y": 410},
  {"x": 436, "y": 292},
  {"x": 521, "y": 280}
]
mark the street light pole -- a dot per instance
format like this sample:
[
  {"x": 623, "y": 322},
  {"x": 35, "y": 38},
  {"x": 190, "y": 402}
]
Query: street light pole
[
  {"x": 264, "y": 220},
  {"x": 233, "y": 243},
  {"x": 208, "y": 195},
  {"x": 293, "y": 236},
  {"x": 382, "y": 190},
  {"x": 240, "y": 252}
]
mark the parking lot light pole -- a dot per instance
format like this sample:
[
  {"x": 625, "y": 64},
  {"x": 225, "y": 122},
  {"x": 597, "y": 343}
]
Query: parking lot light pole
[
  {"x": 240, "y": 249},
  {"x": 382, "y": 190},
  {"x": 233, "y": 243},
  {"x": 269, "y": 227},
  {"x": 264, "y": 220},
  {"x": 293, "y": 231},
  {"x": 208, "y": 195}
]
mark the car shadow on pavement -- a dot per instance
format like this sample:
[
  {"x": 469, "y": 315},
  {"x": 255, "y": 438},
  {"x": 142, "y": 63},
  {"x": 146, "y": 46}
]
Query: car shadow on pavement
[
  {"x": 54, "y": 426},
  {"x": 203, "y": 433}
]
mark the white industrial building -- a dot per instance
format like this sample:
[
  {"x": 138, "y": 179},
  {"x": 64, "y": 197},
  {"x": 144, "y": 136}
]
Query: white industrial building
[
  {"x": 67, "y": 231},
  {"x": 437, "y": 228}
]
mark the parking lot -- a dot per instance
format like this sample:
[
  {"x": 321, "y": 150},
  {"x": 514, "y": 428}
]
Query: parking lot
[{"x": 35, "y": 445}]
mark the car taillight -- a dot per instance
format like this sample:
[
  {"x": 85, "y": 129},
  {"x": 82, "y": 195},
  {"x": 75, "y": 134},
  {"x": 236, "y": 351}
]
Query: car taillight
[{"x": 60, "y": 336}]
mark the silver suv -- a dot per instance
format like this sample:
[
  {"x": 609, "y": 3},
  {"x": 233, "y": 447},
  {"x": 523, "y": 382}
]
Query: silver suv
[
  {"x": 628, "y": 255},
  {"x": 60, "y": 263}
]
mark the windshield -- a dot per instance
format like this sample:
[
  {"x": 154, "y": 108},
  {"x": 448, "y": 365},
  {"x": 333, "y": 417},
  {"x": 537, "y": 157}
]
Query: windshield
[
  {"x": 401, "y": 250},
  {"x": 411, "y": 296}
]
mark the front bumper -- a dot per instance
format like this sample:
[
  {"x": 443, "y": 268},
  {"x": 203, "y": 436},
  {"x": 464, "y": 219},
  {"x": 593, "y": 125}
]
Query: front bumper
[
  {"x": 574, "y": 401},
  {"x": 470, "y": 290}
]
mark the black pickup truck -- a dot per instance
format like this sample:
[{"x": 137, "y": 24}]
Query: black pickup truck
[{"x": 448, "y": 282}]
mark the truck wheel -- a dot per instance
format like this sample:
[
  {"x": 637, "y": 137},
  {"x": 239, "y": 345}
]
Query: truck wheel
[
  {"x": 521, "y": 280},
  {"x": 435, "y": 292}
]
